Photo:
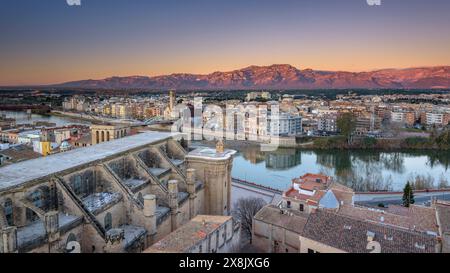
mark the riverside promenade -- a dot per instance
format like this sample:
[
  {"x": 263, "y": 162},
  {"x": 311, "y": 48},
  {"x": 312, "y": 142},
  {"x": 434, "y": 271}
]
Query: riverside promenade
[{"x": 243, "y": 189}]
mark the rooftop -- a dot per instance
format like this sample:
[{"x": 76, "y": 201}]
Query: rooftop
[
  {"x": 96, "y": 202},
  {"x": 132, "y": 234},
  {"x": 294, "y": 222},
  {"x": 188, "y": 235},
  {"x": 20, "y": 173},
  {"x": 35, "y": 234},
  {"x": 20, "y": 153},
  {"x": 311, "y": 182},
  {"x": 351, "y": 235},
  {"x": 443, "y": 214},
  {"x": 421, "y": 219},
  {"x": 210, "y": 153},
  {"x": 313, "y": 199}
]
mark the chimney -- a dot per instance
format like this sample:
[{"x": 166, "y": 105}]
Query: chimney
[
  {"x": 190, "y": 180},
  {"x": 149, "y": 205}
]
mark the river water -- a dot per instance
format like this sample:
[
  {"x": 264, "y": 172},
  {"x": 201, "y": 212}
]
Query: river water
[
  {"x": 361, "y": 170},
  {"x": 24, "y": 118}
]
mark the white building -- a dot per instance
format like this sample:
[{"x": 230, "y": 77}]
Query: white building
[
  {"x": 286, "y": 124},
  {"x": 434, "y": 118},
  {"x": 28, "y": 137},
  {"x": 327, "y": 123}
]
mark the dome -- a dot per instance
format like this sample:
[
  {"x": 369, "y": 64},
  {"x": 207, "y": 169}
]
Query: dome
[{"x": 65, "y": 145}]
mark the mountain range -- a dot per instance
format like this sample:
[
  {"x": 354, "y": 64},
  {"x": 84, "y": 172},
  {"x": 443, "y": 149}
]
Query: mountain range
[{"x": 279, "y": 76}]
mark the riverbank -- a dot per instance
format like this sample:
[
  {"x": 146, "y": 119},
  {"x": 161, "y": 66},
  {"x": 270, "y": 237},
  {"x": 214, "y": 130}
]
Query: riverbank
[
  {"x": 441, "y": 142},
  {"x": 91, "y": 118},
  {"x": 244, "y": 189}
]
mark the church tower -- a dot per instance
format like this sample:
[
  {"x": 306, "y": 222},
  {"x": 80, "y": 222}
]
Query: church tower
[{"x": 213, "y": 166}]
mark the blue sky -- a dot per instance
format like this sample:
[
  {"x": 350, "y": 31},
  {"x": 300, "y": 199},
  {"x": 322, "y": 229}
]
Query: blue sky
[{"x": 47, "y": 41}]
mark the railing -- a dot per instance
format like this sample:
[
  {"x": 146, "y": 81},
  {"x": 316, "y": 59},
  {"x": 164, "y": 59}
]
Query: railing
[{"x": 255, "y": 185}]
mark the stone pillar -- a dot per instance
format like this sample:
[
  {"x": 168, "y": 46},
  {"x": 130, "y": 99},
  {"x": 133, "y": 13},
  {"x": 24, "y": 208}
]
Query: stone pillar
[
  {"x": 8, "y": 240},
  {"x": 51, "y": 222},
  {"x": 150, "y": 217},
  {"x": 190, "y": 181},
  {"x": 115, "y": 238},
  {"x": 173, "y": 202}
]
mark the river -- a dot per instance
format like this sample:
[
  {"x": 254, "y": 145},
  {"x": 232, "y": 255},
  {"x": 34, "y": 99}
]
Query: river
[
  {"x": 362, "y": 170},
  {"x": 24, "y": 118}
]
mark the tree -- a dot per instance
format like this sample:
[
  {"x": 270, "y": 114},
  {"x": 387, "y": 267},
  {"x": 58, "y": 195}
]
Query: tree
[
  {"x": 346, "y": 124},
  {"x": 408, "y": 195},
  {"x": 443, "y": 140},
  {"x": 245, "y": 210},
  {"x": 443, "y": 182}
]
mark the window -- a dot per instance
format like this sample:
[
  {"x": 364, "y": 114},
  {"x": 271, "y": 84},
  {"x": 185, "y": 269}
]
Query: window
[
  {"x": 71, "y": 238},
  {"x": 108, "y": 221},
  {"x": 9, "y": 212},
  {"x": 302, "y": 207},
  {"x": 107, "y": 136},
  {"x": 77, "y": 185},
  {"x": 97, "y": 137},
  {"x": 103, "y": 136},
  {"x": 288, "y": 204},
  {"x": 36, "y": 198}
]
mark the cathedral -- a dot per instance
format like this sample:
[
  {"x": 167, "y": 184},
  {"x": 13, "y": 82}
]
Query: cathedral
[{"x": 119, "y": 196}]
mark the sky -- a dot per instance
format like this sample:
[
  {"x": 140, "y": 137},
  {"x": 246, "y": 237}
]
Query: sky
[{"x": 48, "y": 41}]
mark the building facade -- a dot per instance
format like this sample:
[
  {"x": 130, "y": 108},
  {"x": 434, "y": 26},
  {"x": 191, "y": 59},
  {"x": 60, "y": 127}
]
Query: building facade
[
  {"x": 108, "y": 132},
  {"x": 202, "y": 234}
]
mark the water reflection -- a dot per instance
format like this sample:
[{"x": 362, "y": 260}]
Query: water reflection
[
  {"x": 362, "y": 170},
  {"x": 24, "y": 118}
]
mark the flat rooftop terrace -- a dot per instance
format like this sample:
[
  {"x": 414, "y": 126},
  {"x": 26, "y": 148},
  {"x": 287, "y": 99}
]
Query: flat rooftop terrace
[
  {"x": 210, "y": 154},
  {"x": 20, "y": 173}
]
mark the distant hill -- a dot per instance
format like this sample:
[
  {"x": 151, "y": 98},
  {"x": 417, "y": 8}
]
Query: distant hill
[{"x": 280, "y": 76}]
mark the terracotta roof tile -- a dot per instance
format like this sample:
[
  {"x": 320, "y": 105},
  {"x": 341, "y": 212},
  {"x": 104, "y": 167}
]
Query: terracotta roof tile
[{"x": 350, "y": 235}]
